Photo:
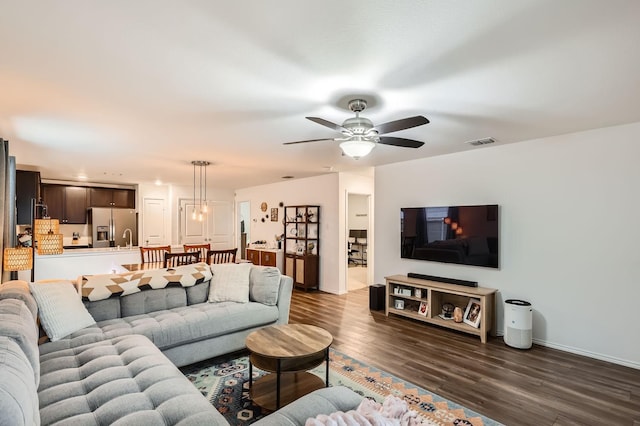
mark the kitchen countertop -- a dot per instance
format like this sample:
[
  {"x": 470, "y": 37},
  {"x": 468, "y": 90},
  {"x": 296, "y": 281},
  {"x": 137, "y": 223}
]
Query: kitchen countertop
[
  {"x": 91, "y": 251},
  {"x": 90, "y": 261}
]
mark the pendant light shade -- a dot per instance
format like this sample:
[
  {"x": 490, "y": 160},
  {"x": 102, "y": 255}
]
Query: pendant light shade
[
  {"x": 44, "y": 226},
  {"x": 50, "y": 244},
  {"x": 48, "y": 236}
]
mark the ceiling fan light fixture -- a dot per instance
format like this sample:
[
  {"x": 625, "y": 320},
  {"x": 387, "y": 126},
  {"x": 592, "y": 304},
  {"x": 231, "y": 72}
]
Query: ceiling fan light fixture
[
  {"x": 357, "y": 148},
  {"x": 360, "y": 136}
]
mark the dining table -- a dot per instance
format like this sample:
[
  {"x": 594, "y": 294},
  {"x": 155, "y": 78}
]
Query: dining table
[{"x": 132, "y": 267}]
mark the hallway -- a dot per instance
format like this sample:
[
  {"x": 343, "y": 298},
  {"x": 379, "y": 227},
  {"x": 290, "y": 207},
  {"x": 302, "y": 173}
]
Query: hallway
[{"x": 357, "y": 277}]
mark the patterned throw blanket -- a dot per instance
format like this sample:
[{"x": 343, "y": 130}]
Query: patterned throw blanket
[
  {"x": 100, "y": 287},
  {"x": 392, "y": 412}
]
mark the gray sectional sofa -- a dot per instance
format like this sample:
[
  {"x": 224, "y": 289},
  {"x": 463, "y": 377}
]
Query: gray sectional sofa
[{"x": 122, "y": 370}]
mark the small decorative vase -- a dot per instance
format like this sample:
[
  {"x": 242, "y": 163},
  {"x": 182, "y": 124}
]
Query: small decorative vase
[{"x": 457, "y": 314}]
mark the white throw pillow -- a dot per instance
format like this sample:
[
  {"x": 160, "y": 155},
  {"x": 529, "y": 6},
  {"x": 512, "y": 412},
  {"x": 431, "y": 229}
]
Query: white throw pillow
[
  {"x": 60, "y": 309},
  {"x": 230, "y": 282}
]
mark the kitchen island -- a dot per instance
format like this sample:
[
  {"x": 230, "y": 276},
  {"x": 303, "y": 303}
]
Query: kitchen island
[{"x": 72, "y": 263}]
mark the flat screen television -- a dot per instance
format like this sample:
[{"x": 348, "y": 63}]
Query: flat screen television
[{"x": 467, "y": 235}]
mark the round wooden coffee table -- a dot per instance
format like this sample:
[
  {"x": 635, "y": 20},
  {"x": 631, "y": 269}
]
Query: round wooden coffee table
[{"x": 288, "y": 351}]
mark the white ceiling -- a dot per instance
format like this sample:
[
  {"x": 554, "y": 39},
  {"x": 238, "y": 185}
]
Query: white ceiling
[{"x": 132, "y": 91}]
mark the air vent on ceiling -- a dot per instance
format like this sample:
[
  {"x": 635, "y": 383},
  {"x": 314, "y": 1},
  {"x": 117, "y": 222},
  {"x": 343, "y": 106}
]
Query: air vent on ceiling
[{"x": 479, "y": 142}]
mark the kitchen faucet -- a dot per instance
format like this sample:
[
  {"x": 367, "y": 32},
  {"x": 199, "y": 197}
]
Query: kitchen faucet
[{"x": 124, "y": 235}]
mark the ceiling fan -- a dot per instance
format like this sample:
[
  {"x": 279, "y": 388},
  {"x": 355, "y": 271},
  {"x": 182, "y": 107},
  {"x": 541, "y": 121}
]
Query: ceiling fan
[{"x": 360, "y": 136}]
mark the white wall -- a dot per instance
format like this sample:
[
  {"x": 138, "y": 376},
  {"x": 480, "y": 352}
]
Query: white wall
[
  {"x": 568, "y": 239},
  {"x": 330, "y": 193},
  {"x": 319, "y": 190},
  {"x": 358, "y": 211}
]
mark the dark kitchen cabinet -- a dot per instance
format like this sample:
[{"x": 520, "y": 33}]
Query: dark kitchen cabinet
[
  {"x": 66, "y": 203},
  {"x": 27, "y": 189},
  {"x": 124, "y": 198},
  {"x": 112, "y": 197}
]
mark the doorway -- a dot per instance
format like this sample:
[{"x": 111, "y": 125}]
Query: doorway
[
  {"x": 244, "y": 227},
  {"x": 358, "y": 232}
]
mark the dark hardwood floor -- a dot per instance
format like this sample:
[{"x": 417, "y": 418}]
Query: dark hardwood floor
[{"x": 540, "y": 386}]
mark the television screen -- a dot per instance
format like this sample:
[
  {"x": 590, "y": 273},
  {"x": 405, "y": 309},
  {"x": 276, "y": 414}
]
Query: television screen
[{"x": 467, "y": 235}]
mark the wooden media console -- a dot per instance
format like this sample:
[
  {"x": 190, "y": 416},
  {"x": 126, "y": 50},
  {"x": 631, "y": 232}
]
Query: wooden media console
[{"x": 404, "y": 296}]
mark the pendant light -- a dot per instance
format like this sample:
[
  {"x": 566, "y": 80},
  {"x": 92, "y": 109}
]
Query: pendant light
[
  {"x": 201, "y": 207},
  {"x": 200, "y": 199},
  {"x": 193, "y": 215},
  {"x": 204, "y": 208}
]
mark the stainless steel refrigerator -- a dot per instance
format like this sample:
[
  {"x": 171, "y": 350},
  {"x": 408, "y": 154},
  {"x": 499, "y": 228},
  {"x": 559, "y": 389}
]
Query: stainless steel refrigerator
[{"x": 108, "y": 226}]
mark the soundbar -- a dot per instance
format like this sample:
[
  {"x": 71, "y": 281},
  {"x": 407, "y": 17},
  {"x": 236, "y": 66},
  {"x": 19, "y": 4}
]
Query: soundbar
[{"x": 443, "y": 280}]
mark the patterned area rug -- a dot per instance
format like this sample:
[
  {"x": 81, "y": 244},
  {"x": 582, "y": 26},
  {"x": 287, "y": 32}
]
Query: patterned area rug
[{"x": 225, "y": 381}]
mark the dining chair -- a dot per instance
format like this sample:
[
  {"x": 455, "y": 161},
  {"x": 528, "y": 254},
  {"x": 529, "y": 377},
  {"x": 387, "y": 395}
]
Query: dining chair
[
  {"x": 221, "y": 256},
  {"x": 171, "y": 260},
  {"x": 202, "y": 248},
  {"x": 153, "y": 254}
]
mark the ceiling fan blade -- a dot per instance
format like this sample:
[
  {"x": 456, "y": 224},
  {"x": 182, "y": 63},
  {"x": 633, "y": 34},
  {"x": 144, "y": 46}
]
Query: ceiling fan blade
[
  {"x": 404, "y": 123},
  {"x": 405, "y": 143},
  {"x": 327, "y": 123},
  {"x": 308, "y": 140}
]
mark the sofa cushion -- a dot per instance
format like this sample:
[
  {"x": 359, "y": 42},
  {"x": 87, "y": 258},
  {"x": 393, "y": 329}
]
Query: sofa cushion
[
  {"x": 152, "y": 300},
  {"x": 230, "y": 282},
  {"x": 264, "y": 283},
  {"x": 325, "y": 400},
  {"x": 18, "y": 390},
  {"x": 18, "y": 289},
  {"x": 61, "y": 309},
  {"x": 177, "y": 326},
  {"x": 17, "y": 324},
  {"x": 120, "y": 381},
  {"x": 102, "y": 310},
  {"x": 199, "y": 293}
]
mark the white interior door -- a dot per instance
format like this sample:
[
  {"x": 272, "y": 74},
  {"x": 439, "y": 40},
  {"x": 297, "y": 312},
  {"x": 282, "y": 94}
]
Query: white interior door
[
  {"x": 153, "y": 230},
  {"x": 215, "y": 228},
  {"x": 192, "y": 231},
  {"x": 220, "y": 225}
]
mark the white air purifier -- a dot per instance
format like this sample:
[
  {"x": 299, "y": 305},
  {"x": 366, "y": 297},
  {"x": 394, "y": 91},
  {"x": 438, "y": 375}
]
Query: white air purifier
[{"x": 518, "y": 321}]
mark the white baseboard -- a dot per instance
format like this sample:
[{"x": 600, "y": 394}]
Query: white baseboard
[{"x": 582, "y": 352}]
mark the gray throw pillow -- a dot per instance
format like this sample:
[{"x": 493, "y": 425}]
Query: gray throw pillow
[{"x": 264, "y": 283}]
